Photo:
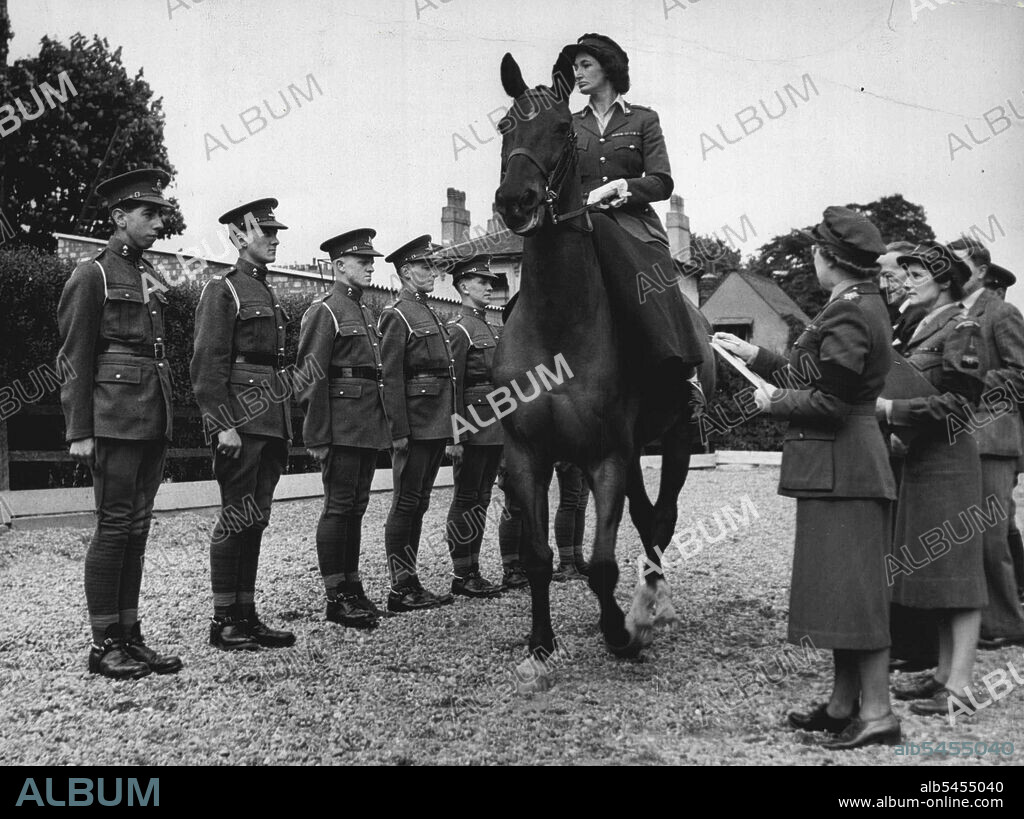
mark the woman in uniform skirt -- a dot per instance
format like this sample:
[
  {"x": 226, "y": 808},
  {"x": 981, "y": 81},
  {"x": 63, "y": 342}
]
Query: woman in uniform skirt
[
  {"x": 937, "y": 557},
  {"x": 835, "y": 463}
]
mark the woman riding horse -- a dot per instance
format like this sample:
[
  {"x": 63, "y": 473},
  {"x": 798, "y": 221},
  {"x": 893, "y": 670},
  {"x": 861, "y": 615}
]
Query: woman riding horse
[{"x": 623, "y": 168}]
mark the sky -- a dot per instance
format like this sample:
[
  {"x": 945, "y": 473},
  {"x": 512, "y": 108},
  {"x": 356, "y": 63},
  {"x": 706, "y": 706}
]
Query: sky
[{"x": 391, "y": 103}]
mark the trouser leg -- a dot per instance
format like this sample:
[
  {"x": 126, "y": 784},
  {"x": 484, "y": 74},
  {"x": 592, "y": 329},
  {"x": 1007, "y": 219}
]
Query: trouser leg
[
  {"x": 149, "y": 476},
  {"x": 571, "y": 516},
  {"x": 348, "y": 474},
  {"x": 115, "y": 478},
  {"x": 414, "y": 473},
  {"x": 474, "y": 479},
  {"x": 271, "y": 457},
  {"x": 1003, "y": 616}
]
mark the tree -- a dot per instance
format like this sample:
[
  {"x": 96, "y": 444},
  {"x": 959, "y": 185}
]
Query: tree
[
  {"x": 50, "y": 162},
  {"x": 896, "y": 219}
]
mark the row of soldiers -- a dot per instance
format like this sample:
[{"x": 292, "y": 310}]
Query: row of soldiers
[{"x": 398, "y": 383}]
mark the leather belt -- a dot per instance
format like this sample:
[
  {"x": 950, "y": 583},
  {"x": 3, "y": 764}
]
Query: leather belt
[
  {"x": 474, "y": 384},
  {"x": 261, "y": 359},
  {"x": 371, "y": 373},
  {"x": 155, "y": 350},
  {"x": 863, "y": 409},
  {"x": 445, "y": 373}
]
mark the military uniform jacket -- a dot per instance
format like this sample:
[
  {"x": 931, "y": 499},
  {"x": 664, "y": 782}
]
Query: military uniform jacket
[
  {"x": 632, "y": 147},
  {"x": 474, "y": 343},
  {"x": 834, "y": 447},
  {"x": 937, "y": 351},
  {"x": 239, "y": 315},
  {"x": 339, "y": 332},
  {"x": 419, "y": 377},
  {"x": 1002, "y": 333},
  {"x": 126, "y": 395}
]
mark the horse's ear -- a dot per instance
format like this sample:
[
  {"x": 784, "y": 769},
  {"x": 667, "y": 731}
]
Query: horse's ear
[
  {"x": 563, "y": 78},
  {"x": 512, "y": 76}
]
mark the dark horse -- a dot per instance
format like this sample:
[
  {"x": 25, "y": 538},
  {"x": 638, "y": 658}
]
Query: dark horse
[{"x": 595, "y": 419}]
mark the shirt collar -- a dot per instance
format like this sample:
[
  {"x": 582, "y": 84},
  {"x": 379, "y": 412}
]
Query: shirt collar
[
  {"x": 619, "y": 101},
  {"x": 125, "y": 251},
  {"x": 972, "y": 299},
  {"x": 250, "y": 269}
]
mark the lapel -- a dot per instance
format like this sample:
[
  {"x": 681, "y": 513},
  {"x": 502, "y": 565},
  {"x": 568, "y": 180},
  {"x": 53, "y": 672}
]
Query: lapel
[
  {"x": 586, "y": 120},
  {"x": 979, "y": 306},
  {"x": 617, "y": 120},
  {"x": 926, "y": 329}
]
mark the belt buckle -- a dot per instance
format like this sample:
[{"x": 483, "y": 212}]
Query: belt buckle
[
  {"x": 380, "y": 374},
  {"x": 159, "y": 350},
  {"x": 451, "y": 371},
  {"x": 280, "y": 361}
]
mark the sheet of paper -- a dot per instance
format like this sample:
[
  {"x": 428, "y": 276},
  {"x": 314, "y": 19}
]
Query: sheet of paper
[{"x": 738, "y": 365}]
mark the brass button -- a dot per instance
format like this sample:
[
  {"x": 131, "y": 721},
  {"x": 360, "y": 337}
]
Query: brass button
[
  {"x": 603, "y": 159},
  {"x": 118, "y": 375},
  {"x": 251, "y": 381},
  {"x": 604, "y": 178},
  {"x": 602, "y": 140}
]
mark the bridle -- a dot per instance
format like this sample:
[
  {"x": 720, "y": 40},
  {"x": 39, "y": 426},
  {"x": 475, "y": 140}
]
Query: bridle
[{"x": 554, "y": 181}]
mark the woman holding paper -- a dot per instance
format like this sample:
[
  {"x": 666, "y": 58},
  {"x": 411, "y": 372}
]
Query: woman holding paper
[{"x": 835, "y": 463}]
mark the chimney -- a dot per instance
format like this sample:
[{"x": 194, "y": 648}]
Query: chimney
[
  {"x": 454, "y": 219},
  {"x": 677, "y": 224}
]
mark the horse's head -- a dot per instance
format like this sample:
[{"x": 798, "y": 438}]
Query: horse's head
[{"x": 538, "y": 151}]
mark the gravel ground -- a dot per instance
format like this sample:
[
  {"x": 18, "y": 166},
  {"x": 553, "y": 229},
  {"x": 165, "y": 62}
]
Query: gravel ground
[{"x": 435, "y": 687}]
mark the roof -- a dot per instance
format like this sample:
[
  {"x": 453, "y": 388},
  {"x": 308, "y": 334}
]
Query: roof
[{"x": 775, "y": 296}]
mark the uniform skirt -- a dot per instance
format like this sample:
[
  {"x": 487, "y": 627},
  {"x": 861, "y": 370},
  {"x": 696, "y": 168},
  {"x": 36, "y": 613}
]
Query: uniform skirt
[
  {"x": 839, "y": 596},
  {"x": 937, "y": 559}
]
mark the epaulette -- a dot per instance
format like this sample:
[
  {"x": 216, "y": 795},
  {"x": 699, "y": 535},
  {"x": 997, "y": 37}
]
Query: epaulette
[
  {"x": 217, "y": 277},
  {"x": 454, "y": 321},
  {"x": 851, "y": 295},
  {"x": 640, "y": 107}
]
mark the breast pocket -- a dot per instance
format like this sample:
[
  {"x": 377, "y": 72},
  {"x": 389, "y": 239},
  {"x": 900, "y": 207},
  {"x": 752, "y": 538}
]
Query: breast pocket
[
  {"x": 429, "y": 349},
  {"x": 256, "y": 331},
  {"x": 124, "y": 314},
  {"x": 808, "y": 460}
]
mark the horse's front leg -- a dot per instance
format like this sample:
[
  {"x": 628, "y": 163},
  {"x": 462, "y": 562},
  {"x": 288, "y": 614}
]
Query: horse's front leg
[
  {"x": 529, "y": 475},
  {"x": 608, "y": 483}
]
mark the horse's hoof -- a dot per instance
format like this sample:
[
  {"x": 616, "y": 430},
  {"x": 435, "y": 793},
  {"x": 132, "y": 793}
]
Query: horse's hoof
[
  {"x": 532, "y": 677},
  {"x": 636, "y": 643}
]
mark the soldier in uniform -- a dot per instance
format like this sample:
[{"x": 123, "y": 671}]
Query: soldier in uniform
[
  {"x": 998, "y": 280},
  {"x": 345, "y": 423},
  {"x": 419, "y": 396},
  {"x": 119, "y": 412},
  {"x": 241, "y": 386},
  {"x": 1000, "y": 439},
  {"x": 476, "y": 451}
]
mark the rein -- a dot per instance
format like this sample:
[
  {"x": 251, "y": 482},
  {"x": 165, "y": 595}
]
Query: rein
[{"x": 555, "y": 180}]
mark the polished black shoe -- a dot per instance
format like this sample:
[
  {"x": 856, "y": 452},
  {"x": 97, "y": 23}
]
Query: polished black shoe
[
  {"x": 269, "y": 637},
  {"x": 346, "y": 611},
  {"x": 473, "y": 585},
  {"x": 231, "y": 634},
  {"x": 361, "y": 600},
  {"x": 922, "y": 688},
  {"x": 936, "y": 705},
  {"x": 567, "y": 572},
  {"x": 136, "y": 648},
  {"x": 818, "y": 719},
  {"x": 111, "y": 660},
  {"x": 997, "y": 643},
  {"x": 883, "y": 731},
  {"x": 514, "y": 577},
  {"x": 412, "y": 596}
]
